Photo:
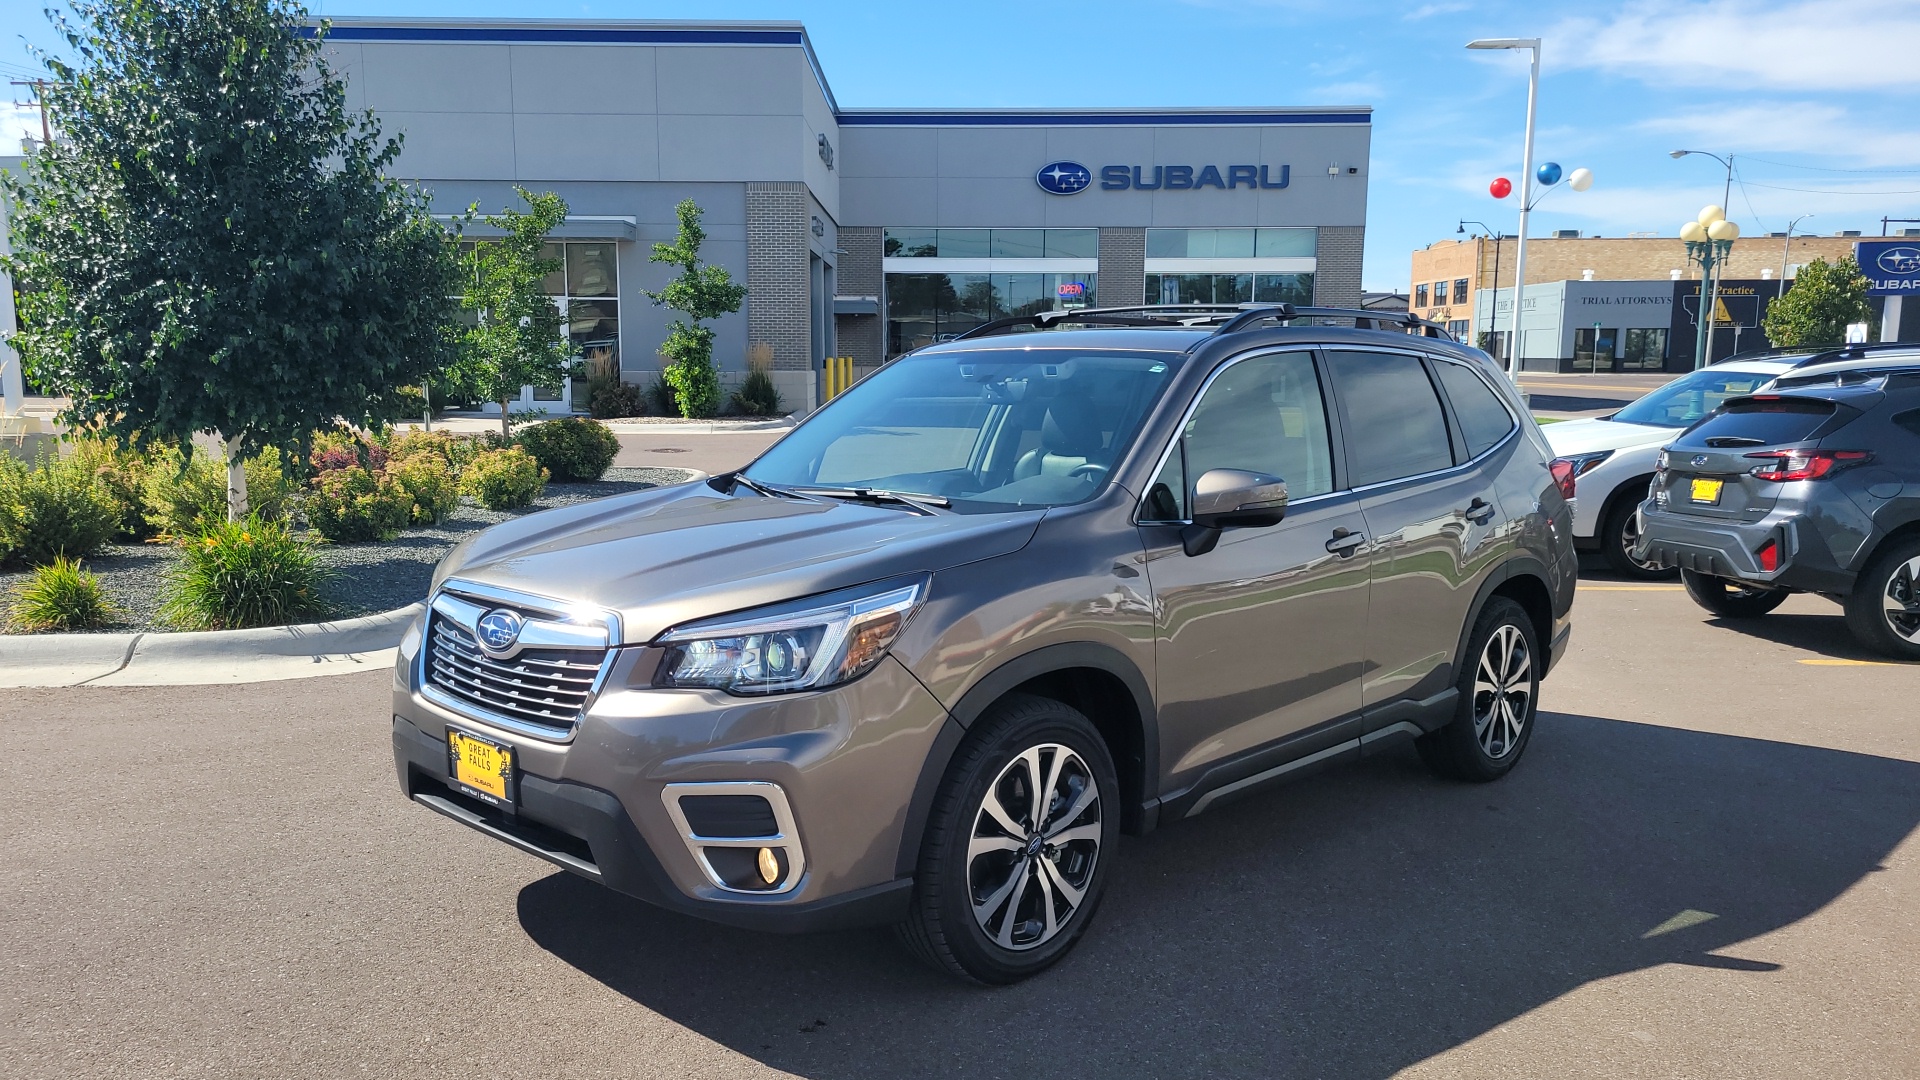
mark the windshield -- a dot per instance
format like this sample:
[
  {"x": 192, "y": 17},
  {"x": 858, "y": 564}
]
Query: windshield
[
  {"x": 992, "y": 430},
  {"x": 1690, "y": 397}
]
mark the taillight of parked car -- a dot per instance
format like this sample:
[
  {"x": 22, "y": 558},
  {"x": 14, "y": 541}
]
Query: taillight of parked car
[
  {"x": 1783, "y": 466},
  {"x": 1563, "y": 475},
  {"x": 1769, "y": 555}
]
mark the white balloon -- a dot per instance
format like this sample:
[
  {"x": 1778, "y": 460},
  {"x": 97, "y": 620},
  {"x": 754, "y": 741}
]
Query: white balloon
[{"x": 1581, "y": 179}]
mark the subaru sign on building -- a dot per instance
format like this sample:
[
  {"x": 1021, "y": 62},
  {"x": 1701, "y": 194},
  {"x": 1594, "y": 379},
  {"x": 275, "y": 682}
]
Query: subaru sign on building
[
  {"x": 860, "y": 232},
  {"x": 1892, "y": 267}
]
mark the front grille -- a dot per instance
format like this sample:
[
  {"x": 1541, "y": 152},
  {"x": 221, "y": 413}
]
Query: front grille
[{"x": 544, "y": 687}]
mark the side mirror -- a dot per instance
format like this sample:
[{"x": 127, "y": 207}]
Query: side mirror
[{"x": 1232, "y": 498}]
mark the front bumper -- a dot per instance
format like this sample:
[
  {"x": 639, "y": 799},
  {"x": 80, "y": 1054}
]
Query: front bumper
[
  {"x": 846, "y": 761},
  {"x": 1729, "y": 549}
]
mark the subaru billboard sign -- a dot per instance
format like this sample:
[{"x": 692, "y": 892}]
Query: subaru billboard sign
[
  {"x": 1892, "y": 267},
  {"x": 1063, "y": 177}
]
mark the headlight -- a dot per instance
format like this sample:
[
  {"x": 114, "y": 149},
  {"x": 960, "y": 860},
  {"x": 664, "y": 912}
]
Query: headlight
[{"x": 834, "y": 639}]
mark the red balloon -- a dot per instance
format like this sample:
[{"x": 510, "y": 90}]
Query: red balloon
[{"x": 1501, "y": 187}]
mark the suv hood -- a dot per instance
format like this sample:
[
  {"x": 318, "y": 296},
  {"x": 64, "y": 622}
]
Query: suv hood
[
  {"x": 664, "y": 557},
  {"x": 1592, "y": 435}
]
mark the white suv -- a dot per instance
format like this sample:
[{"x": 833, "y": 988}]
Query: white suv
[{"x": 1613, "y": 457}]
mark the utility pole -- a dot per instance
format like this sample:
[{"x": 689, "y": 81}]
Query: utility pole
[{"x": 40, "y": 103}]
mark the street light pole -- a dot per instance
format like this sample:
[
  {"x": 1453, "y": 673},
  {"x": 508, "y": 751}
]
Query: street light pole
[
  {"x": 1493, "y": 305},
  {"x": 1726, "y": 192},
  {"x": 1526, "y": 186},
  {"x": 1786, "y": 246}
]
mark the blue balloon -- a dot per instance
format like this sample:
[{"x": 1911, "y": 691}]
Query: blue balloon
[{"x": 1549, "y": 174}]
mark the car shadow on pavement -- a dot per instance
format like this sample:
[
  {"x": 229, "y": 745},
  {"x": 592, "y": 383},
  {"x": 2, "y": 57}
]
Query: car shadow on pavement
[
  {"x": 1349, "y": 926},
  {"x": 1826, "y": 635}
]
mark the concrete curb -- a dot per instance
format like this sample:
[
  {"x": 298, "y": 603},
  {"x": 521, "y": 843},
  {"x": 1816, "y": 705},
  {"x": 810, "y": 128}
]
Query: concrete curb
[{"x": 193, "y": 659}]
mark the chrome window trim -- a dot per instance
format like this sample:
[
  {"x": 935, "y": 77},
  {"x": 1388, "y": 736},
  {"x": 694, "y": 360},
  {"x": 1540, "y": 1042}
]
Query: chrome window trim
[
  {"x": 1186, "y": 417},
  {"x": 470, "y": 591}
]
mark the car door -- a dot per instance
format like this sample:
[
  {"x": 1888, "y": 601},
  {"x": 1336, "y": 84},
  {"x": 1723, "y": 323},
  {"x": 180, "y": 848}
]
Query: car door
[
  {"x": 1431, "y": 510},
  {"x": 1259, "y": 639}
]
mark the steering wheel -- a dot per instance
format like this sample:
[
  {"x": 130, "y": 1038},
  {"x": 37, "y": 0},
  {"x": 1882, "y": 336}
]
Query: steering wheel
[{"x": 1095, "y": 471}]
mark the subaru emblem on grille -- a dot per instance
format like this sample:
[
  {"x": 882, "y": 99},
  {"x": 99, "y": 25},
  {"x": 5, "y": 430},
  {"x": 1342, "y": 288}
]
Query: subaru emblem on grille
[{"x": 497, "y": 630}]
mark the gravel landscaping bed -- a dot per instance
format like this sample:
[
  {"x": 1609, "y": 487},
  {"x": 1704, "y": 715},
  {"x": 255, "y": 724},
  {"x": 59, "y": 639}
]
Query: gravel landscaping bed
[{"x": 371, "y": 577}]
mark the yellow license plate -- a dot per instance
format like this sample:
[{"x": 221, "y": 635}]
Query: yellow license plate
[
  {"x": 481, "y": 767},
  {"x": 1706, "y": 491}
]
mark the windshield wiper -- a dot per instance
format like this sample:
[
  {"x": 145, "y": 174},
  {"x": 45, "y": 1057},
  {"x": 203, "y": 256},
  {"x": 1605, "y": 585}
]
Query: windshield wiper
[
  {"x": 922, "y": 503},
  {"x": 743, "y": 480}
]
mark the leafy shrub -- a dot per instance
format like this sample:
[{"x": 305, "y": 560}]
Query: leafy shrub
[
  {"x": 121, "y": 474},
  {"x": 342, "y": 448},
  {"x": 430, "y": 484},
  {"x": 352, "y": 505},
  {"x": 60, "y": 596},
  {"x": 409, "y": 401},
  {"x": 571, "y": 448},
  {"x": 179, "y": 499},
  {"x": 616, "y": 400},
  {"x": 455, "y": 450},
  {"x": 665, "y": 401},
  {"x": 52, "y": 509},
  {"x": 245, "y": 573},
  {"x": 504, "y": 479},
  {"x": 757, "y": 395}
]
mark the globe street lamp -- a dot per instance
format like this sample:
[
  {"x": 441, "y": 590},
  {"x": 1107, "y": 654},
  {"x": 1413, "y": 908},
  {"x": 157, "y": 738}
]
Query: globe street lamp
[
  {"x": 1709, "y": 239},
  {"x": 1526, "y": 180}
]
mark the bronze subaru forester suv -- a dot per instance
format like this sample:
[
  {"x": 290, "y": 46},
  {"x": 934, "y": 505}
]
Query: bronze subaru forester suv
[{"x": 1011, "y": 595}]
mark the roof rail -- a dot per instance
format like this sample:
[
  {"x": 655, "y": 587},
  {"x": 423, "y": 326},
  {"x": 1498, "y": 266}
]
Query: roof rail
[
  {"x": 1222, "y": 318},
  {"x": 1858, "y": 352}
]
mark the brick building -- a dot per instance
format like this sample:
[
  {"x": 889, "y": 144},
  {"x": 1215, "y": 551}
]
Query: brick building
[{"x": 1442, "y": 268}]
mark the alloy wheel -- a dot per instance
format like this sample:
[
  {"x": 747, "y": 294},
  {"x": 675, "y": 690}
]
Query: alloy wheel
[
  {"x": 1630, "y": 535},
  {"x": 1035, "y": 841},
  {"x": 1502, "y": 691},
  {"x": 1900, "y": 604}
]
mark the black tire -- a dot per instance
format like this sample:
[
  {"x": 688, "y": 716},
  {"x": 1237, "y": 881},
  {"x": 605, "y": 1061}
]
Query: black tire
[
  {"x": 1892, "y": 577},
  {"x": 951, "y": 882},
  {"x": 1731, "y": 599},
  {"x": 1493, "y": 722},
  {"x": 1617, "y": 533}
]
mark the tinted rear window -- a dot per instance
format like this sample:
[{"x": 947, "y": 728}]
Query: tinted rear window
[
  {"x": 1483, "y": 420},
  {"x": 1763, "y": 423},
  {"x": 1395, "y": 426}
]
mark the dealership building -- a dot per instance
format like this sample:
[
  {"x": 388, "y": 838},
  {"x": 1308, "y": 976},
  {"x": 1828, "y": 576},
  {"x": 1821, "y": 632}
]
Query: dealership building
[{"x": 858, "y": 232}]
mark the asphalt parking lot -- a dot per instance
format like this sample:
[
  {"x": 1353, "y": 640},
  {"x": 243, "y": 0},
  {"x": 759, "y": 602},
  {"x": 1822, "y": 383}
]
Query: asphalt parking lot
[{"x": 1707, "y": 866}]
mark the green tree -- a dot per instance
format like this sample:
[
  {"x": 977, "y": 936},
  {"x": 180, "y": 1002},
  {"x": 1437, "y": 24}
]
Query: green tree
[
  {"x": 210, "y": 245},
  {"x": 699, "y": 293},
  {"x": 514, "y": 339},
  {"x": 1822, "y": 301}
]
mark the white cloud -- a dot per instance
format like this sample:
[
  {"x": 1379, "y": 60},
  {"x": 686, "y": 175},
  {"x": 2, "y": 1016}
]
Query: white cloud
[
  {"x": 1743, "y": 44},
  {"x": 1789, "y": 127},
  {"x": 1428, "y": 11}
]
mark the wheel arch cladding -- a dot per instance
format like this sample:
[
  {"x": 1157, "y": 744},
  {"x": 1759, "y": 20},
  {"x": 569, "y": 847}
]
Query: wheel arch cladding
[
  {"x": 1524, "y": 582},
  {"x": 1097, "y": 680},
  {"x": 1868, "y": 553}
]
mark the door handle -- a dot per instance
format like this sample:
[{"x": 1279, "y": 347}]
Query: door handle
[
  {"x": 1345, "y": 542},
  {"x": 1479, "y": 511}
]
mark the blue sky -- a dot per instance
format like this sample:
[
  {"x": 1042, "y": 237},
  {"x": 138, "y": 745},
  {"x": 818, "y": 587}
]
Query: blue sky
[{"x": 1816, "y": 98}]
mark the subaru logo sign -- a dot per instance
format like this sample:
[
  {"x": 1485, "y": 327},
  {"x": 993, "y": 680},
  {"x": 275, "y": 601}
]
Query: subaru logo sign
[
  {"x": 498, "y": 630},
  {"x": 1898, "y": 261},
  {"x": 1063, "y": 177},
  {"x": 1701, "y": 459}
]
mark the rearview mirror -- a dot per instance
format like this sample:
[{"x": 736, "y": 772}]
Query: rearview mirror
[{"x": 1232, "y": 498}]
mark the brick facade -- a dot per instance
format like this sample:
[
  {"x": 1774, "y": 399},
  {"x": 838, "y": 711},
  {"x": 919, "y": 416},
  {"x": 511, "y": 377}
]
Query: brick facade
[
  {"x": 1336, "y": 278},
  {"x": 777, "y": 300},
  {"x": 1626, "y": 258},
  {"x": 1123, "y": 268},
  {"x": 858, "y": 273}
]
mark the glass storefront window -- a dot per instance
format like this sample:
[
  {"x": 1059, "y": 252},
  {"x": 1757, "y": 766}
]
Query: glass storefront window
[
  {"x": 1646, "y": 350},
  {"x": 923, "y": 309},
  {"x": 592, "y": 270},
  {"x": 911, "y": 243},
  {"x": 1229, "y": 288},
  {"x": 1231, "y": 243}
]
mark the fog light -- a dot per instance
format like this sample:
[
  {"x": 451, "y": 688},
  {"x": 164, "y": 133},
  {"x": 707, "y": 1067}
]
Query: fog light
[
  {"x": 769, "y": 866},
  {"x": 1769, "y": 557}
]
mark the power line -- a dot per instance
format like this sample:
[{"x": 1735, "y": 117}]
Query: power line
[
  {"x": 1822, "y": 168},
  {"x": 1831, "y": 191}
]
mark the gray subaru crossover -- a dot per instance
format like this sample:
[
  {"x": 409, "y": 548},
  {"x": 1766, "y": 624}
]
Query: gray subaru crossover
[{"x": 1067, "y": 576}]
